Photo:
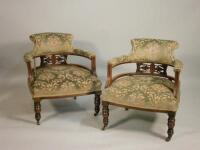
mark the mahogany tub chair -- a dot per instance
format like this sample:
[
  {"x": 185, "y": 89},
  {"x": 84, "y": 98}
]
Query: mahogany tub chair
[
  {"x": 54, "y": 76},
  {"x": 149, "y": 88}
]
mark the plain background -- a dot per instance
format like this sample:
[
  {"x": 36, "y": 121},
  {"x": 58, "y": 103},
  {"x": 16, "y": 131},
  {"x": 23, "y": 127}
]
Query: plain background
[{"x": 106, "y": 28}]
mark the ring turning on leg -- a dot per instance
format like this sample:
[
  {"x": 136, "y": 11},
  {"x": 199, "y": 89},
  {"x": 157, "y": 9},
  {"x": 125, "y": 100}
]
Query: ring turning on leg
[
  {"x": 105, "y": 112},
  {"x": 171, "y": 124},
  {"x": 37, "y": 108},
  {"x": 97, "y": 103}
]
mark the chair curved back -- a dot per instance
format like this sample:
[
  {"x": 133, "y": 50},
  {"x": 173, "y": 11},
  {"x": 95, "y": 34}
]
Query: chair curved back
[
  {"x": 155, "y": 54},
  {"x": 51, "y": 43}
]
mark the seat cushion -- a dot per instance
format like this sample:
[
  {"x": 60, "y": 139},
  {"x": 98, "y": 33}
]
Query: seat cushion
[
  {"x": 142, "y": 91},
  {"x": 61, "y": 80}
]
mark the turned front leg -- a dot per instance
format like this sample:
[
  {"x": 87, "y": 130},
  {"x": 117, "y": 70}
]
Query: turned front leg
[
  {"x": 97, "y": 103},
  {"x": 171, "y": 124},
  {"x": 37, "y": 108},
  {"x": 105, "y": 113}
]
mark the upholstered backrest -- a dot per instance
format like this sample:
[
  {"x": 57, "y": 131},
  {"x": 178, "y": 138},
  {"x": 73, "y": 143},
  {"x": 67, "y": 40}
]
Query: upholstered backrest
[
  {"x": 51, "y": 43},
  {"x": 154, "y": 50}
]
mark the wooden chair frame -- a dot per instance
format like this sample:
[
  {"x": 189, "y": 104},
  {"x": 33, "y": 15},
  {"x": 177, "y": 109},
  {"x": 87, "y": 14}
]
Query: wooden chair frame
[
  {"x": 60, "y": 59},
  {"x": 155, "y": 69}
]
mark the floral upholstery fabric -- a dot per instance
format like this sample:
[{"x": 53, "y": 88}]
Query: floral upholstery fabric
[
  {"x": 59, "y": 80},
  {"x": 122, "y": 59},
  {"x": 154, "y": 50},
  {"x": 50, "y": 43},
  {"x": 132, "y": 58},
  {"x": 29, "y": 56},
  {"x": 84, "y": 53},
  {"x": 142, "y": 91}
]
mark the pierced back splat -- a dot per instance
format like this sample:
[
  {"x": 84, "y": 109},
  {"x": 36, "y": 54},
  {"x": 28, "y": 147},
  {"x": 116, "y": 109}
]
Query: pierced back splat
[
  {"x": 53, "y": 59},
  {"x": 152, "y": 68}
]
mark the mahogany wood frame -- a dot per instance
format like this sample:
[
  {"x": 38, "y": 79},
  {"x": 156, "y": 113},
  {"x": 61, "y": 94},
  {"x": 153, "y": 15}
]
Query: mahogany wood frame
[
  {"x": 141, "y": 70},
  {"x": 60, "y": 59}
]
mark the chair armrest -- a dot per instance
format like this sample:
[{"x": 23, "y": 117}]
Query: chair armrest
[
  {"x": 87, "y": 54},
  {"x": 118, "y": 61},
  {"x": 28, "y": 57},
  {"x": 84, "y": 53},
  {"x": 178, "y": 65},
  {"x": 122, "y": 60}
]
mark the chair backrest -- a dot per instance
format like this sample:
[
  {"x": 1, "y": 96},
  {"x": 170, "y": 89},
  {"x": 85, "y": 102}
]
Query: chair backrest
[
  {"x": 51, "y": 43},
  {"x": 154, "y": 50},
  {"x": 155, "y": 55}
]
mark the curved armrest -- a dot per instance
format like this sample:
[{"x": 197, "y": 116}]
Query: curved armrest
[
  {"x": 84, "y": 53},
  {"x": 122, "y": 60},
  {"x": 178, "y": 65},
  {"x": 28, "y": 57},
  {"x": 87, "y": 54},
  {"x": 118, "y": 61}
]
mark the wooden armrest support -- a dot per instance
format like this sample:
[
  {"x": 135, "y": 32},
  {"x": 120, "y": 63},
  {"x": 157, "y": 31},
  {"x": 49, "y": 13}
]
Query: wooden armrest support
[
  {"x": 86, "y": 54},
  {"x": 30, "y": 72},
  {"x": 178, "y": 66},
  {"x": 177, "y": 83},
  {"x": 93, "y": 65},
  {"x": 116, "y": 62}
]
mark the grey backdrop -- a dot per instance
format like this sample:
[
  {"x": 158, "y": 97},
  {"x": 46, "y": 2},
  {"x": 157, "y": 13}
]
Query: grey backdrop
[{"x": 105, "y": 27}]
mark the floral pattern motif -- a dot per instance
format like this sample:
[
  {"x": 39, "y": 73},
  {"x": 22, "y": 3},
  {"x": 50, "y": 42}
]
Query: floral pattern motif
[
  {"x": 54, "y": 43},
  {"x": 154, "y": 50},
  {"x": 84, "y": 53},
  {"x": 177, "y": 64},
  {"x": 29, "y": 56},
  {"x": 63, "y": 80},
  {"x": 121, "y": 59},
  {"x": 142, "y": 91},
  {"x": 51, "y": 43}
]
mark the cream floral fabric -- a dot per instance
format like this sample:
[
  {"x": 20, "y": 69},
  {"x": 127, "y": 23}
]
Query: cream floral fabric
[
  {"x": 178, "y": 65},
  {"x": 54, "y": 43},
  {"x": 84, "y": 53},
  {"x": 63, "y": 80},
  {"x": 132, "y": 58},
  {"x": 122, "y": 59},
  {"x": 28, "y": 57},
  {"x": 154, "y": 50},
  {"x": 50, "y": 43},
  {"x": 142, "y": 91}
]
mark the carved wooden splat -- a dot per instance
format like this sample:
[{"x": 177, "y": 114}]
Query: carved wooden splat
[
  {"x": 152, "y": 68},
  {"x": 161, "y": 69},
  {"x": 53, "y": 59}
]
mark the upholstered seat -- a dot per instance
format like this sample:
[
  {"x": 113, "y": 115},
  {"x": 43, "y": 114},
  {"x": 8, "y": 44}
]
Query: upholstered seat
[
  {"x": 152, "y": 86},
  {"x": 59, "y": 80},
  {"x": 142, "y": 91},
  {"x": 51, "y": 75}
]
